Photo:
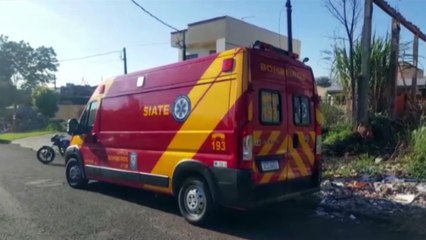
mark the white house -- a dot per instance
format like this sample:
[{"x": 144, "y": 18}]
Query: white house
[{"x": 218, "y": 34}]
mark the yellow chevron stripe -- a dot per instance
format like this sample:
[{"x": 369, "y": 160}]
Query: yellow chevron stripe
[
  {"x": 266, "y": 177},
  {"x": 283, "y": 174},
  {"x": 284, "y": 146},
  {"x": 319, "y": 117},
  {"x": 306, "y": 148},
  {"x": 299, "y": 162},
  {"x": 270, "y": 143},
  {"x": 256, "y": 135},
  {"x": 313, "y": 136},
  {"x": 250, "y": 111},
  {"x": 186, "y": 142},
  {"x": 290, "y": 174}
]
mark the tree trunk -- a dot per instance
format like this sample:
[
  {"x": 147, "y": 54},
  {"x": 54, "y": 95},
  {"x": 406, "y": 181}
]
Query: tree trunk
[
  {"x": 353, "y": 84},
  {"x": 13, "y": 128},
  {"x": 415, "y": 63}
]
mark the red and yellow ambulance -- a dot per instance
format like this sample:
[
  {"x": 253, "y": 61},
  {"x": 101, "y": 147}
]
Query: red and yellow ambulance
[{"x": 238, "y": 129}]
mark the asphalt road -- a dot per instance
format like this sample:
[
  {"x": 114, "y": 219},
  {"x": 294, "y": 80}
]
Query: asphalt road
[{"x": 36, "y": 203}]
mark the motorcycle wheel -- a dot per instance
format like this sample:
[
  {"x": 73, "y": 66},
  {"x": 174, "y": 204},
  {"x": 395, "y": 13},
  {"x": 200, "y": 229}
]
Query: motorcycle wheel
[{"x": 45, "y": 154}]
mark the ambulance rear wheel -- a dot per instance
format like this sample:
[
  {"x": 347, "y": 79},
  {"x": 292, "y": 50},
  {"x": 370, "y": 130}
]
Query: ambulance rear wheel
[
  {"x": 195, "y": 201},
  {"x": 74, "y": 174}
]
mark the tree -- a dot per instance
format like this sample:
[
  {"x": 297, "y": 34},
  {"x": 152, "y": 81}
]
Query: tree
[
  {"x": 323, "y": 82},
  {"x": 379, "y": 63},
  {"x": 347, "y": 12},
  {"x": 7, "y": 93},
  {"x": 46, "y": 100},
  {"x": 23, "y": 68}
]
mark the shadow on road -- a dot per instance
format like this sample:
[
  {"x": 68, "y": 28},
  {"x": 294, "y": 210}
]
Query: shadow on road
[
  {"x": 289, "y": 220},
  {"x": 4, "y": 141},
  {"x": 141, "y": 197},
  {"x": 56, "y": 164}
]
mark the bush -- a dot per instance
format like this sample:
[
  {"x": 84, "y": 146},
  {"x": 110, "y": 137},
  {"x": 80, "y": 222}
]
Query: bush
[
  {"x": 386, "y": 133},
  {"x": 341, "y": 139},
  {"x": 332, "y": 115},
  {"x": 417, "y": 163},
  {"x": 58, "y": 126}
]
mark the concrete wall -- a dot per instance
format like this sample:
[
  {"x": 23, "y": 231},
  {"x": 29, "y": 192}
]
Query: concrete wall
[
  {"x": 240, "y": 33},
  {"x": 66, "y": 112},
  {"x": 226, "y": 33}
]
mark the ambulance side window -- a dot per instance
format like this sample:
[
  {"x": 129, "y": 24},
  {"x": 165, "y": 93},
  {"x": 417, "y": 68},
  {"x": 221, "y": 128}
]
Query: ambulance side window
[
  {"x": 88, "y": 119},
  {"x": 301, "y": 110},
  {"x": 270, "y": 107},
  {"x": 92, "y": 115}
]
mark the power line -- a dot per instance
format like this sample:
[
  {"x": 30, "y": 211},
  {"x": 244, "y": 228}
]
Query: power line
[
  {"x": 90, "y": 56},
  {"x": 167, "y": 25},
  {"x": 155, "y": 17}
]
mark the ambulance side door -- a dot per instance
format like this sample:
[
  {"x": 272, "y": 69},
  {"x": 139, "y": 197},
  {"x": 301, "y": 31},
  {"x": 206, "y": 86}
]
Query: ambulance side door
[{"x": 92, "y": 150}]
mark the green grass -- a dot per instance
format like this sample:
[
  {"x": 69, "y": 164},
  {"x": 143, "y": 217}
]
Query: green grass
[
  {"x": 356, "y": 166},
  {"x": 7, "y": 137},
  {"x": 417, "y": 163}
]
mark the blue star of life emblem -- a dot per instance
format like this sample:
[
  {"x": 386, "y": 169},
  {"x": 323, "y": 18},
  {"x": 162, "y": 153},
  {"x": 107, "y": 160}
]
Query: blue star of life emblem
[{"x": 181, "y": 108}]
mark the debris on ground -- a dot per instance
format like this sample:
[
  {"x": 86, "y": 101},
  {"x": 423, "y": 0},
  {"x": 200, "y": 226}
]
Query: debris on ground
[
  {"x": 368, "y": 195},
  {"x": 404, "y": 198}
]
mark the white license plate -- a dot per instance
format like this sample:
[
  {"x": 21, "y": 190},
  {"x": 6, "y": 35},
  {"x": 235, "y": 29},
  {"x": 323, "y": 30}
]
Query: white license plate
[{"x": 270, "y": 165}]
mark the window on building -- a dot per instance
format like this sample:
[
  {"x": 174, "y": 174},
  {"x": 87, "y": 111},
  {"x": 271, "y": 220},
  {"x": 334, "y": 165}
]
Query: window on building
[
  {"x": 301, "y": 110},
  {"x": 212, "y": 51},
  {"x": 191, "y": 56},
  {"x": 270, "y": 107}
]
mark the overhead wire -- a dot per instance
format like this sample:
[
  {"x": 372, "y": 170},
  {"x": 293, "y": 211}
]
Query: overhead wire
[
  {"x": 90, "y": 56},
  {"x": 155, "y": 17}
]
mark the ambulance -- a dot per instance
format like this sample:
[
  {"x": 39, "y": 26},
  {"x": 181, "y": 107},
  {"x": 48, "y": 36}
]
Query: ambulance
[{"x": 240, "y": 128}]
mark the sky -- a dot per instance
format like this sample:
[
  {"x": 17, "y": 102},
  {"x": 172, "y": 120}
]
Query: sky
[{"x": 80, "y": 28}]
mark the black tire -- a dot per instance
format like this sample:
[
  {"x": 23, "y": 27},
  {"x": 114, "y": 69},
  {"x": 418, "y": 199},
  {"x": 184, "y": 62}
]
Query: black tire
[
  {"x": 75, "y": 175},
  {"x": 195, "y": 201},
  {"x": 45, "y": 154}
]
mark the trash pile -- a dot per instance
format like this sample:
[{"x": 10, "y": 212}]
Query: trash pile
[{"x": 345, "y": 198}]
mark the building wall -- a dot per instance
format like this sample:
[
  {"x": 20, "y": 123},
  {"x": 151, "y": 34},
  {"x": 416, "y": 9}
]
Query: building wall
[
  {"x": 406, "y": 71},
  {"x": 66, "y": 112},
  {"x": 225, "y": 33},
  {"x": 239, "y": 33}
]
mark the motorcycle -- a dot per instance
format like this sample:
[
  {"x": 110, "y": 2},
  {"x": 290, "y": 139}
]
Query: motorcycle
[{"x": 46, "y": 154}]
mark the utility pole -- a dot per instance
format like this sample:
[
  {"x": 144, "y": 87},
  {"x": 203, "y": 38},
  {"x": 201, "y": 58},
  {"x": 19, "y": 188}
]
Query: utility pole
[
  {"x": 364, "y": 82},
  {"x": 125, "y": 60},
  {"x": 183, "y": 45},
  {"x": 393, "y": 74},
  {"x": 415, "y": 63},
  {"x": 289, "y": 27}
]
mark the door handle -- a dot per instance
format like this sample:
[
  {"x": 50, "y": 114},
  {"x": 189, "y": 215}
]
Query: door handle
[{"x": 295, "y": 140}]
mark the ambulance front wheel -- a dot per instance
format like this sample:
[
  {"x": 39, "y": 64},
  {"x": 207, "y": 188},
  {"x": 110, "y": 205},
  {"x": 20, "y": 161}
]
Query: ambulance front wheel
[
  {"x": 195, "y": 201},
  {"x": 74, "y": 174}
]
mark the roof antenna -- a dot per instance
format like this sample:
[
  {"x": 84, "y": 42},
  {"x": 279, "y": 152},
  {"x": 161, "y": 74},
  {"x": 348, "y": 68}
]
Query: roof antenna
[{"x": 289, "y": 30}]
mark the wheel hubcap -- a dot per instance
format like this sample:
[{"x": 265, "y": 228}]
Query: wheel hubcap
[
  {"x": 195, "y": 200},
  {"x": 75, "y": 173},
  {"x": 46, "y": 154}
]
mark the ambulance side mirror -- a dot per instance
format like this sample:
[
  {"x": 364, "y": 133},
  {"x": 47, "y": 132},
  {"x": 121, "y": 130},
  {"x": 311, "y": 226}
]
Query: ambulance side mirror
[{"x": 72, "y": 126}]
